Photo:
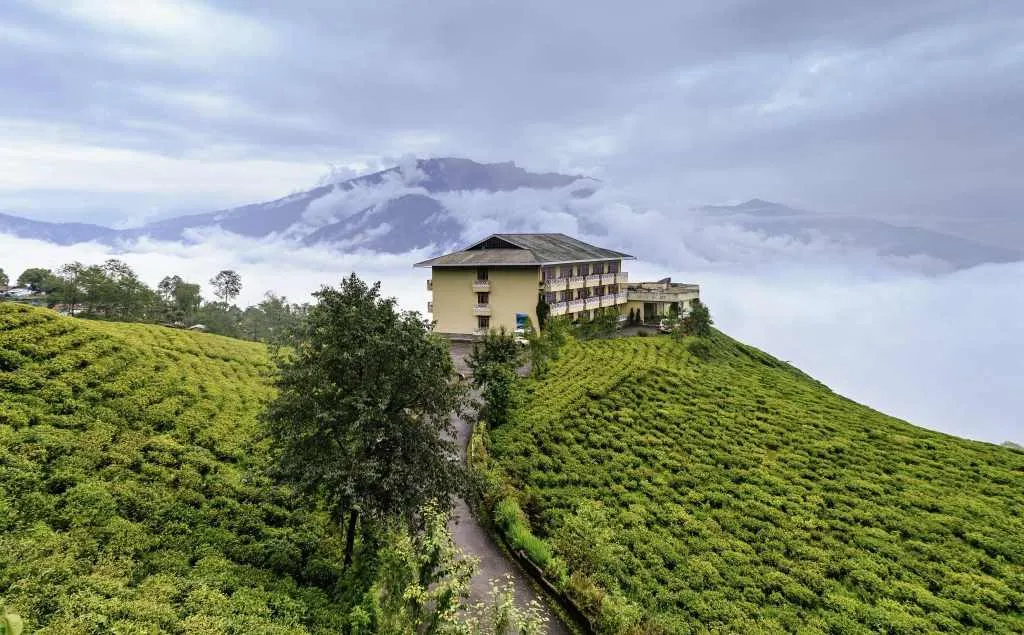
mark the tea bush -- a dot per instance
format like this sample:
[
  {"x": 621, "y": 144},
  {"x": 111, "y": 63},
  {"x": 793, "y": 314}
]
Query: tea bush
[
  {"x": 132, "y": 491},
  {"x": 740, "y": 495}
]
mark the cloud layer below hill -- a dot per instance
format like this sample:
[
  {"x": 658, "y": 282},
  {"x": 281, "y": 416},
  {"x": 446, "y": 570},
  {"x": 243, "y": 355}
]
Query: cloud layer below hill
[{"x": 940, "y": 351}]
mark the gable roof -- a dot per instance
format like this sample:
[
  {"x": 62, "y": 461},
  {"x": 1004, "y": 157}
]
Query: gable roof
[{"x": 524, "y": 250}]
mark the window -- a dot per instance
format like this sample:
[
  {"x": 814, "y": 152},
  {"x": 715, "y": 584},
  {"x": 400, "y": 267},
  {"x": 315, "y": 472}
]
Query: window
[
  {"x": 585, "y": 269},
  {"x": 483, "y": 322},
  {"x": 613, "y": 266},
  {"x": 481, "y": 273},
  {"x": 550, "y": 298},
  {"x": 483, "y": 298},
  {"x": 566, "y": 271},
  {"x": 550, "y": 273},
  {"x": 598, "y": 268}
]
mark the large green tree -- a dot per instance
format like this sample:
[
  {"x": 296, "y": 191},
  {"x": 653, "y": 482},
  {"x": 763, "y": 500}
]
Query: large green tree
[
  {"x": 4, "y": 280},
  {"x": 39, "y": 279},
  {"x": 362, "y": 419}
]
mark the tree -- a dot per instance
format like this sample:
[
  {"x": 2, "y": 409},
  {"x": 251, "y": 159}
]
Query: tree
[
  {"x": 40, "y": 280},
  {"x": 4, "y": 280},
  {"x": 182, "y": 298},
  {"x": 498, "y": 348},
  {"x": 698, "y": 321},
  {"x": 543, "y": 311},
  {"x": 227, "y": 285},
  {"x": 70, "y": 283},
  {"x": 362, "y": 417}
]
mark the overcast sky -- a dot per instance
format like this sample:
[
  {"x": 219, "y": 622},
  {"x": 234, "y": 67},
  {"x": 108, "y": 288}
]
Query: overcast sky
[{"x": 115, "y": 111}]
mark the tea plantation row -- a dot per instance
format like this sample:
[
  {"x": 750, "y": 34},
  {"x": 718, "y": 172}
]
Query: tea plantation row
[
  {"x": 130, "y": 491},
  {"x": 739, "y": 495}
]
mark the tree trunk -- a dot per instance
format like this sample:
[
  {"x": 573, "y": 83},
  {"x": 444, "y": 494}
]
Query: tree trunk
[{"x": 350, "y": 536}]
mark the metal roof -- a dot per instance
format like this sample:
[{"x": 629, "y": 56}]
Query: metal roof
[{"x": 524, "y": 249}]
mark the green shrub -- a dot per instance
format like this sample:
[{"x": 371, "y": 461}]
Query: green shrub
[{"x": 699, "y": 348}]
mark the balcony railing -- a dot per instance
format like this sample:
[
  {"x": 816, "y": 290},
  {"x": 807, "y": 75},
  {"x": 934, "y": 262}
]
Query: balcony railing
[
  {"x": 607, "y": 278},
  {"x": 430, "y": 307},
  {"x": 559, "y": 308},
  {"x": 577, "y": 282},
  {"x": 482, "y": 286},
  {"x": 552, "y": 285},
  {"x": 482, "y": 309},
  {"x": 621, "y": 277},
  {"x": 592, "y": 303},
  {"x": 430, "y": 284},
  {"x": 607, "y": 300},
  {"x": 594, "y": 280},
  {"x": 621, "y": 297},
  {"x": 575, "y": 306}
]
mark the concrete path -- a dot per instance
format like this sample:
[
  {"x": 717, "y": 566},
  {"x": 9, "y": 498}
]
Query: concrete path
[{"x": 474, "y": 540}]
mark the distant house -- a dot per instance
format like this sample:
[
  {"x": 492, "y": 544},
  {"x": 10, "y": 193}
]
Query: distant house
[
  {"x": 499, "y": 281},
  {"x": 19, "y": 293},
  {"x": 198, "y": 327},
  {"x": 660, "y": 299}
]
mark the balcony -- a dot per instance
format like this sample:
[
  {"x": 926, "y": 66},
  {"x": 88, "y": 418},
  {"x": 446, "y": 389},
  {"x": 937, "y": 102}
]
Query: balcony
[
  {"x": 607, "y": 300},
  {"x": 594, "y": 280},
  {"x": 559, "y": 308},
  {"x": 592, "y": 303},
  {"x": 577, "y": 282},
  {"x": 552, "y": 285},
  {"x": 430, "y": 307},
  {"x": 621, "y": 277},
  {"x": 482, "y": 310},
  {"x": 607, "y": 278},
  {"x": 481, "y": 286},
  {"x": 575, "y": 306},
  {"x": 430, "y": 284},
  {"x": 621, "y": 297}
]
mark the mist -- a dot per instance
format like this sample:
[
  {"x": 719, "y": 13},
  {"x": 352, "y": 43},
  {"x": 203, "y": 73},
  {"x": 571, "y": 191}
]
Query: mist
[{"x": 940, "y": 351}]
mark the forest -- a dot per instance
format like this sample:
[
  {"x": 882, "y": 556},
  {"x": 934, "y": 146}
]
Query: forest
[{"x": 726, "y": 491}]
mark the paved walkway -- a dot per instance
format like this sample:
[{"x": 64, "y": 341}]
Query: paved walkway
[{"x": 474, "y": 540}]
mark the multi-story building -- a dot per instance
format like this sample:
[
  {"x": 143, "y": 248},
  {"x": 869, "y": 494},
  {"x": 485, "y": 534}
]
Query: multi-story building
[{"x": 499, "y": 281}]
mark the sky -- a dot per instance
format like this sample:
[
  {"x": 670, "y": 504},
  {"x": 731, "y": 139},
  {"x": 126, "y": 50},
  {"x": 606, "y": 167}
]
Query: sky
[{"x": 117, "y": 112}]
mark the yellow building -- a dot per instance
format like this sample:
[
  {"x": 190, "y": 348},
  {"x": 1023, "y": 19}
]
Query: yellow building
[{"x": 499, "y": 281}]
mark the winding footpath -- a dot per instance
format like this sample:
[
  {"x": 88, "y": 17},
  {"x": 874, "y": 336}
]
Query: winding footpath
[{"x": 471, "y": 537}]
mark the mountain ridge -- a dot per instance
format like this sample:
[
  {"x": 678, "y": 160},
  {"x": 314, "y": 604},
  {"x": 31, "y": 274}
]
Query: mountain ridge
[{"x": 439, "y": 203}]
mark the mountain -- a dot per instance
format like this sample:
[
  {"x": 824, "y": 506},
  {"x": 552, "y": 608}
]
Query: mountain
[
  {"x": 442, "y": 202},
  {"x": 670, "y": 491},
  {"x": 774, "y": 220},
  {"x": 56, "y": 233}
]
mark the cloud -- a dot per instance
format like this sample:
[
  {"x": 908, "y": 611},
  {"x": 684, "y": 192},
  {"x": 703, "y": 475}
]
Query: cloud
[
  {"x": 942, "y": 352},
  {"x": 864, "y": 108},
  {"x": 166, "y": 32}
]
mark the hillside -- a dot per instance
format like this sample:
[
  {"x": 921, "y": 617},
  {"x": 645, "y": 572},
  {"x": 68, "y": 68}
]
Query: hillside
[
  {"x": 129, "y": 502},
  {"x": 739, "y": 495}
]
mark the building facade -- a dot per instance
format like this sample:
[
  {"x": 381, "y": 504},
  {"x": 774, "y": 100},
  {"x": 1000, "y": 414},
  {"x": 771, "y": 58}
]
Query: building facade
[
  {"x": 663, "y": 298},
  {"x": 499, "y": 281}
]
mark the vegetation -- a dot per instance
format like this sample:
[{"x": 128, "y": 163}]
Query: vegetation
[
  {"x": 362, "y": 417},
  {"x": 665, "y": 493},
  {"x": 698, "y": 320},
  {"x": 134, "y": 499},
  {"x": 112, "y": 291},
  {"x": 132, "y": 496}
]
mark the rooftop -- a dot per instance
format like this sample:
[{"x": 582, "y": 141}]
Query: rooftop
[{"x": 524, "y": 250}]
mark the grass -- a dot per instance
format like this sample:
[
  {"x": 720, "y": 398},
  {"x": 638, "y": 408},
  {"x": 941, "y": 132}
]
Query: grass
[
  {"x": 737, "y": 494},
  {"x": 131, "y": 495}
]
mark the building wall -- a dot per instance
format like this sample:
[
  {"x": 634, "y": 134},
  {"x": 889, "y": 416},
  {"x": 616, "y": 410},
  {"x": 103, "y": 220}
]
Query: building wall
[{"x": 513, "y": 290}]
